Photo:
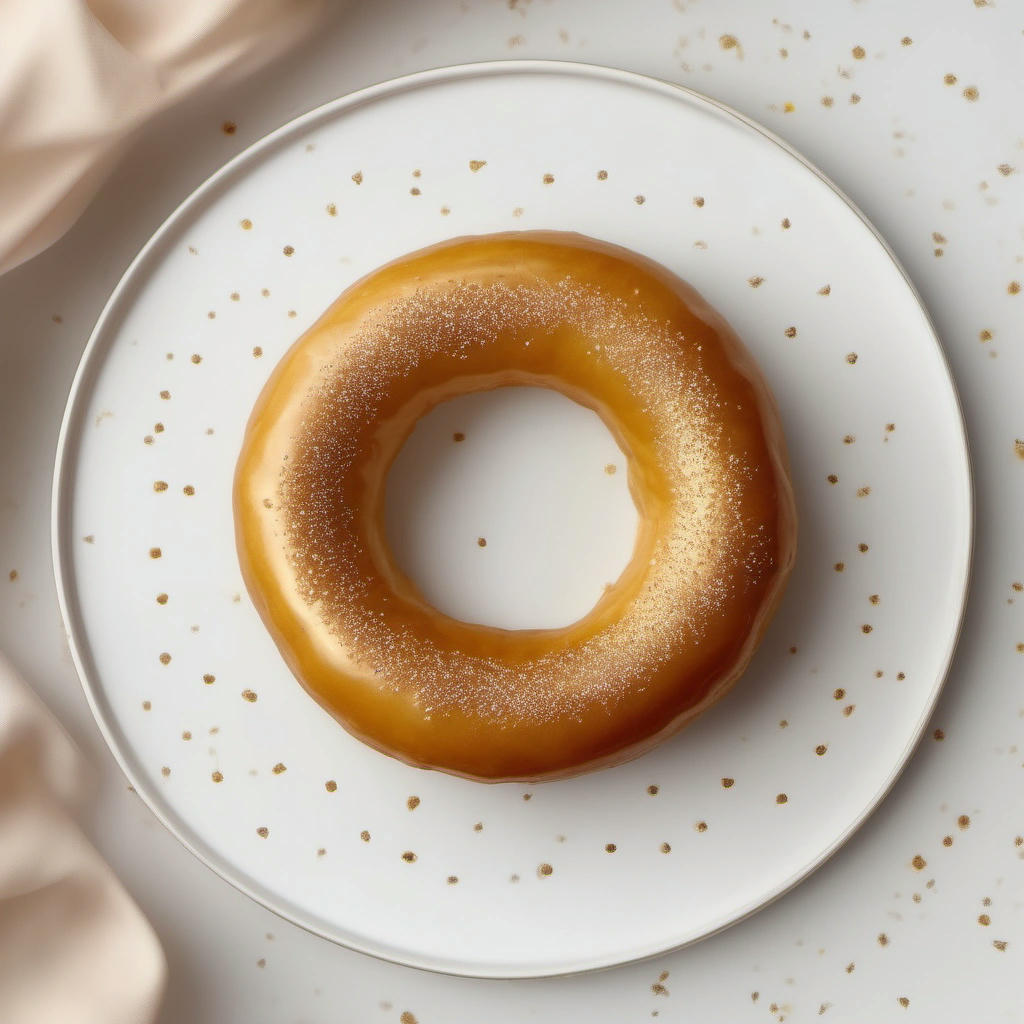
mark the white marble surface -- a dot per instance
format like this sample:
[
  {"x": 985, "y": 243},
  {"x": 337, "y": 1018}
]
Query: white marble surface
[{"x": 920, "y": 157}]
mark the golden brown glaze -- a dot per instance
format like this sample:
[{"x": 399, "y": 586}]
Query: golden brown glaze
[{"x": 707, "y": 469}]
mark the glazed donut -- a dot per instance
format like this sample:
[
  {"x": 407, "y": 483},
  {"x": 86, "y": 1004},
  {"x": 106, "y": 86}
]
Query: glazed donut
[{"x": 707, "y": 469}]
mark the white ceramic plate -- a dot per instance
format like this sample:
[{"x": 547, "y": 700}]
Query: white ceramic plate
[{"x": 840, "y": 691}]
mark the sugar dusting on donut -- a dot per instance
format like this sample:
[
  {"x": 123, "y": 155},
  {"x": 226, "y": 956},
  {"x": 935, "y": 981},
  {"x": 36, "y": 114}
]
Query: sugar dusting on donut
[{"x": 696, "y": 568}]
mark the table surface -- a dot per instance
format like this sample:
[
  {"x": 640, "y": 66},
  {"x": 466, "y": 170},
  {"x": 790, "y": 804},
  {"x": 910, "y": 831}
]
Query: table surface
[{"x": 914, "y": 109}]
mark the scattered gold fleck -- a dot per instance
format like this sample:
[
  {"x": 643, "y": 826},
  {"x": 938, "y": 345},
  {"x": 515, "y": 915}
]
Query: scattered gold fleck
[
  {"x": 784, "y": 723},
  {"x": 821, "y": 749},
  {"x": 1005, "y": 170},
  {"x": 478, "y": 827},
  {"x": 971, "y": 93},
  {"x": 832, "y": 478},
  {"x": 165, "y": 395},
  {"x": 246, "y": 224},
  {"x": 850, "y": 967},
  {"x": 825, "y": 289},
  {"x": 322, "y": 852},
  {"x": 196, "y": 358},
  {"x": 827, "y": 101},
  {"x": 610, "y": 469},
  {"x": 790, "y": 332},
  {"x": 89, "y": 538},
  {"x": 147, "y": 705},
  {"x": 901, "y": 676},
  {"x": 412, "y": 803},
  {"x": 610, "y": 847},
  {"x": 365, "y": 836},
  {"x": 188, "y": 490},
  {"x": 165, "y": 771},
  {"x": 165, "y": 658},
  {"x": 158, "y": 428},
  {"x": 409, "y": 857},
  {"x": 665, "y": 848},
  {"x": 453, "y": 879},
  {"x": 863, "y": 492},
  {"x": 883, "y": 939},
  {"x": 527, "y": 797},
  {"x": 358, "y": 177},
  {"x": 161, "y": 599},
  {"x": 288, "y": 250},
  {"x": 906, "y": 41},
  {"x": 1000, "y": 944},
  {"x": 851, "y": 358},
  {"x": 919, "y": 862},
  {"x": 257, "y": 351},
  {"x": 186, "y": 735},
  {"x": 229, "y": 127},
  {"x": 545, "y": 870},
  {"x": 602, "y": 175},
  {"x": 786, "y": 224},
  {"x": 698, "y": 201},
  {"x": 414, "y": 191},
  {"x": 548, "y": 179},
  {"x": 249, "y": 695},
  {"x": 730, "y": 42},
  {"x": 481, "y": 542},
  {"x": 475, "y": 165},
  {"x": 755, "y": 282},
  {"x": 754, "y": 996},
  {"x": 939, "y": 735},
  {"x": 518, "y": 212},
  {"x": 874, "y": 598},
  {"x": 217, "y": 776},
  {"x": 788, "y": 108},
  {"x": 407, "y": 1018},
  {"x": 984, "y": 920},
  {"x": 1018, "y": 587},
  {"x": 278, "y": 768},
  {"x": 782, "y": 798},
  {"x": 854, "y": 98},
  {"x": 903, "y": 1001},
  {"x": 858, "y": 53},
  {"x": 263, "y": 832},
  {"x": 849, "y": 709},
  {"x": 866, "y": 628},
  {"x": 639, "y": 200},
  {"x": 728, "y": 783},
  {"x": 839, "y": 566},
  {"x": 964, "y": 822},
  {"x": 701, "y": 826},
  {"x": 445, "y": 211},
  {"x": 652, "y": 790},
  {"x": 159, "y": 485},
  {"x": 235, "y": 297},
  {"x": 949, "y": 79},
  {"x": 863, "y": 548},
  {"x": 209, "y": 678},
  {"x": 839, "y": 693}
]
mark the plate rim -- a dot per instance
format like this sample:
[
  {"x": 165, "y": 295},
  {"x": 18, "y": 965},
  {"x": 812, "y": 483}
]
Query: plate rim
[{"x": 64, "y": 471}]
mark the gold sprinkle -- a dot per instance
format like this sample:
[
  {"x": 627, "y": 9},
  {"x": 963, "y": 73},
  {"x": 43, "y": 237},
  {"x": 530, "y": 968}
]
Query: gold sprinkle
[
  {"x": 147, "y": 705},
  {"x": 984, "y": 920},
  {"x": 786, "y": 224},
  {"x": 901, "y": 676},
  {"x": 839, "y": 566},
  {"x": 288, "y": 250},
  {"x": 292, "y": 314},
  {"x": 165, "y": 395},
  {"x": 610, "y": 848},
  {"x": 358, "y": 177},
  {"x": 209, "y": 678},
  {"x": 602, "y": 175},
  {"x": 458, "y": 436},
  {"x": 249, "y": 695},
  {"x": 839, "y": 693},
  {"x": 610, "y": 469},
  {"x": 755, "y": 282},
  {"x": 165, "y": 771},
  {"x": 481, "y": 542},
  {"x": 665, "y": 848},
  {"x": 883, "y": 939},
  {"x": 827, "y": 101},
  {"x": 790, "y": 332},
  {"x": 229, "y": 127},
  {"x": 1013, "y": 288},
  {"x": 407, "y": 1018},
  {"x": 331, "y": 786},
  {"x": 863, "y": 492},
  {"x": 332, "y": 210},
  {"x": 832, "y": 478},
  {"x": 89, "y": 538},
  {"x": 919, "y": 862},
  {"x": 906, "y": 41},
  {"x": 263, "y": 832},
  {"x": 278, "y": 768},
  {"x": 1000, "y": 944},
  {"x": 903, "y": 1001},
  {"x": 851, "y": 358},
  {"x": 821, "y": 749},
  {"x": 158, "y": 428},
  {"x": 866, "y": 628},
  {"x": 850, "y": 967},
  {"x": 639, "y": 200},
  {"x": 322, "y": 852},
  {"x": 652, "y": 790},
  {"x": 874, "y": 599},
  {"x": 545, "y": 870},
  {"x": 365, "y": 836},
  {"x": 548, "y": 179},
  {"x": 161, "y": 599},
  {"x": 186, "y": 735},
  {"x": 196, "y": 358},
  {"x": 728, "y": 783},
  {"x": 414, "y": 191},
  {"x": 729, "y": 42},
  {"x": 858, "y": 53},
  {"x": 825, "y": 289},
  {"x": 211, "y": 315},
  {"x": 188, "y": 490},
  {"x": 453, "y": 879},
  {"x": 784, "y": 723},
  {"x": 971, "y": 93},
  {"x": 159, "y": 485},
  {"x": 478, "y": 827},
  {"x": 409, "y": 857},
  {"x": 475, "y": 165},
  {"x": 256, "y": 351},
  {"x": 518, "y": 212},
  {"x": 165, "y": 658},
  {"x": 939, "y": 735},
  {"x": 849, "y": 439},
  {"x": 698, "y": 201},
  {"x": 949, "y": 79},
  {"x": 849, "y": 709},
  {"x": 701, "y": 826},
  {"x": 1005, "y": 170},
  {"x": 412, "y": 803},
  {"x": 964, "y": 822},
  {"x": 863, "y": 548},
  {"x": 217, "y": 776},
  {"x": 782, "y": 799},
  {"x": 246, "y": 224},
  {"x": 445, "y": 211},
  {"x": 854, "y": 99}
]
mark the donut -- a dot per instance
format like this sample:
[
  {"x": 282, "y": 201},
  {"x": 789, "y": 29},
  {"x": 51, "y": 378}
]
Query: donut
[{"x": 707, "y": 468}]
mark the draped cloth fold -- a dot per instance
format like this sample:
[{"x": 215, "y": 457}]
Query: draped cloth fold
[
  {"x": 78, "y": 77},
  {"x": 74, "y": 947}
]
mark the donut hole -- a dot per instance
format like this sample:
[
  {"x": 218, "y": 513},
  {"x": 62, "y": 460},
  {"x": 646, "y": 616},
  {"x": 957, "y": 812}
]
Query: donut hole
[{"x": 511, "y": 508}]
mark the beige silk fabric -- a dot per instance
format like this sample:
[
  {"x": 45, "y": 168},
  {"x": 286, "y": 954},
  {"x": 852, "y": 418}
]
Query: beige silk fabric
[
  {"x": 78, "y": 77},
  {"x": 74, "y": 948}
]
